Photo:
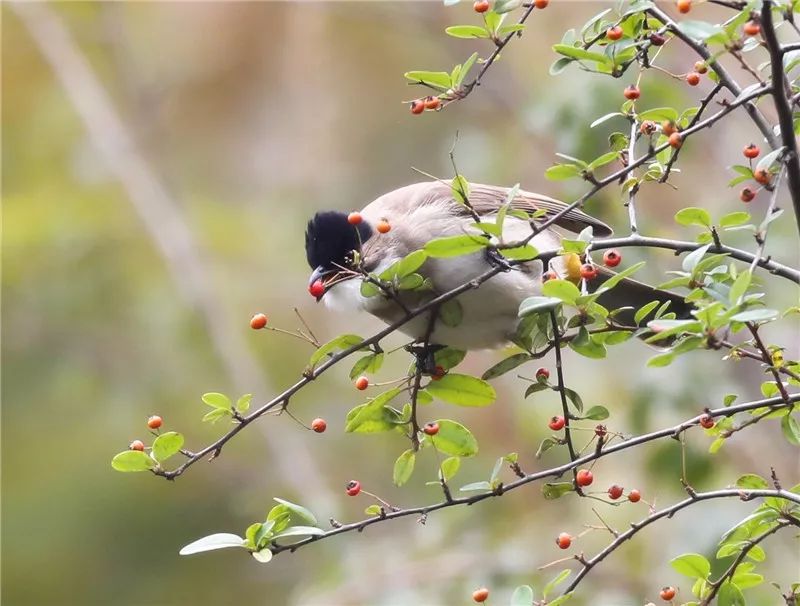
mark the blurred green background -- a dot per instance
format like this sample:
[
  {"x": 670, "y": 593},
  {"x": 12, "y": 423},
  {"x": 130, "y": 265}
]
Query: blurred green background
[{"x": 159, "y": 163}]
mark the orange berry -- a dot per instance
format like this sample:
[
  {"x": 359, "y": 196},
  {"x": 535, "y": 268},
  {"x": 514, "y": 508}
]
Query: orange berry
[
  {"x": 747, "y": 195},
  {"x": 549, "y": 275},
  {"x": 480, "y": 595},
  {"x": 556, "y": 423},
  {"x": 354, "y": 218},
  {"x": 319, "y": 425},
  {"x": 417, "y": 106},
  {"x": 541, "y": 3},
  {"x": 676, "y": 140},
  {"x": 155, "y": 422},
  {"x": 615, "y": 492},
  {"x": 431, "y": 429},
  {"x": 668, "y": 127},
  {"x": 707, "y": 421},
  {"x": 611, "y": 258},
  {"x": 362, "y": 383},
  {"x": 632, "y": 92},
  {"x": 751, "y": 151},
  {"x": 563, "y": 540},
  {"x": 353, "y": 487},
  {"x": 614, "y": 33},
  {"x": 752, "y": 28},
  {"x": 701, "y": 67},
  {"x": 481, "y": 6},
  {"x": 432, "y": 103},
  {"x": 383, "y": 226},
  {"x": 584, "y": 477},
  {"x": 647, "y": 128},
  {"x": 692, "y": 78},
  {"x": 588, "y": 271},
  {"x": 317, "y": 289},
  {"x": 258, "y": 321},
  {"x": 137, "y": 445},
  {"x": 600, "y": 430},
  {"x": 634, "y": 496},
  {"x": 438, "y": 373},
  {"x": 667, "y": 594},
  {"x": 684, "y": 6},
  {"x": 761, "y": 176}
]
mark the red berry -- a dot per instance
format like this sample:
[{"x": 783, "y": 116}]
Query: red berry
[
  {"x": 137, "y": 445},
  {"x": 751, "y": 151},
  {"x": 657, "y": 39},
  {"x": 481, "y": 6},
  {"x": 676, "y": 140},
  {"x": 154, "y": 422},
  {"x": 747, "y": 195},
  {"x": 541, "y": 3},
  {"x": 752, "y": 28},
  {"x": 317, "y": 289},
  {"x": 432, "y": 103},
  {"x": 362, "y": 383},
  {"x": 319, "y": 425},
  {"x": 549, "y": 275},
  {"x": 258, "y": 321},
  {"x": 584, "y": 477},
  {"x": 556, "y": 423},
  {"x": 647, "y": 128},
  {"x": 701, "y": 67},
  {"x": 417, "y": 106},
  {"x": 614, "y": 33},
  {"x": 354, "y": 218},
  {"x": 693, "y": 78},
  {"x": 588, "y": 271},
  {"x": 431, "y": 428},
  {"x": 383, "y": 226},
  {"x": 632, "y": 92},
  {"x": 600, "y": 430},
  {"x": 634, "y": 496},
  {"x": 611, "y": 258},
  {"x": 353, "y": 487},
  {"x": 542, "y": 374},
  {"x": 667, "y": 593},
  {"x": 480, "y": 595},
  {"x": 707, "y": 421},
  {"x": 761, "y": 176},
  {"x": 684, "y": 6},
  {"x": 564, "y": 540},
  {"x": 615, "y": 491},
  {"x": 668, "y": 127}
]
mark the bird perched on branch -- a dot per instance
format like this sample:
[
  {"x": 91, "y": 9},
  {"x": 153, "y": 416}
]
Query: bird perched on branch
[{"x": 345, "y": 250}]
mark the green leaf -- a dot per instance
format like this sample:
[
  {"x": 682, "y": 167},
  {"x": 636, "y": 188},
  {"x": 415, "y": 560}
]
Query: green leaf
[
  {"x": 585, "y": 345},
  {"x": 132, "y": 460},
  {"x": 605, "y": 118},
  {"x": 573, "y": 246},
  {"x": 451, "y": 313},
  {"x": 217, "y": 400},
  {"x": 699, "y": 30},
  {"x": 373, "y": 510},
  {"x": 299, "y": 531},
  {"x": 464, "y": 390},
  {"x": 215, "y": 415},
  {"x": 262, "y": 555},
  {"x": 436, "y": 79},
  {"x": 574, "y": 52},
  {"x": 618, "y": 277},
  {"x": 659, "y": 114},
  {"x": 536, "y": 305},
  {"x": 744, "y": 580},
  {"x": 751, "y": 480},
  {"x": 405, "y": 266},
  {"x": 506, "y": 365},
  {"x": 693, "y": 216},
  {"x": 756, "y": 315},
  {"x": 768, "y": 160},
  {"x": 508, "y": 29},
  {"x": 243, "y": 403},
  {"x": 369, "y": 364},
  {"x": 300, "y": 513},
  {"x": 449, "y": 357},
  {"x": 734, "y": 218},
  {"x": 575, "y": 398},
  {"x": 374, "y": 416},
  {"x": 555, "y": 490},
  {"x": 692, "y": 565},
  {"x": 559, "y": 578},
  {"x": 546, "y": 445},
  {"x": 596, "y": 413},
  {"x": 506, "y": 6},
  {"x": 561, "y": 289},
  {"x": 341, "y": 342},
  {"x": 559, "y": 65},
  {"x": 476, "y": 486},
  {"x": 661, "y": 360},
  {"x": 560, "y": 599},
  {"x": 454, "y": 439},
  {"x": 520, "y": 253},
  {"x": 369, "y": 289},
  {"x": 607, "y": 158},
  {"x": 467, "y": 65},
  {"x": 459, "y": 187},
  {"x": 730, "y": 595},
  {"x": 467, "y": 31},
  {"x": 739, "y": 287},
  {"x": 449, "y": 468},
  {"x": 791, "y": 429},
  {"x": 220, "y": 540},
  {"x": 455, "y": 246},
  {"x": 561, "y": 172},
  {"x": 403, "y": 467},
  {"x": 645, "y": 311},
  {"x": 522, "y": 596},
  {"x": 166, "y": 445},
  {"x": 691, "y": 260}
]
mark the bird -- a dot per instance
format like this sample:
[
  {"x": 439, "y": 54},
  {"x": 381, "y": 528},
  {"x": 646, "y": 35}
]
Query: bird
[{"x": 340, "y": 253}]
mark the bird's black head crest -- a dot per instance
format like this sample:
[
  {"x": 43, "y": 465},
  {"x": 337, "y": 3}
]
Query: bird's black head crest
[{"x": 330, "y": 239}]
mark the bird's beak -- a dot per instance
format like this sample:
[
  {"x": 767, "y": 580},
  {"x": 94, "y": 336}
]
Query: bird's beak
[{"x": 321, "y": 274}]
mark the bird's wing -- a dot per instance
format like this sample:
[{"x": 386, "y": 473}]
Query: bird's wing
[{"x": 487, "y": 200}]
